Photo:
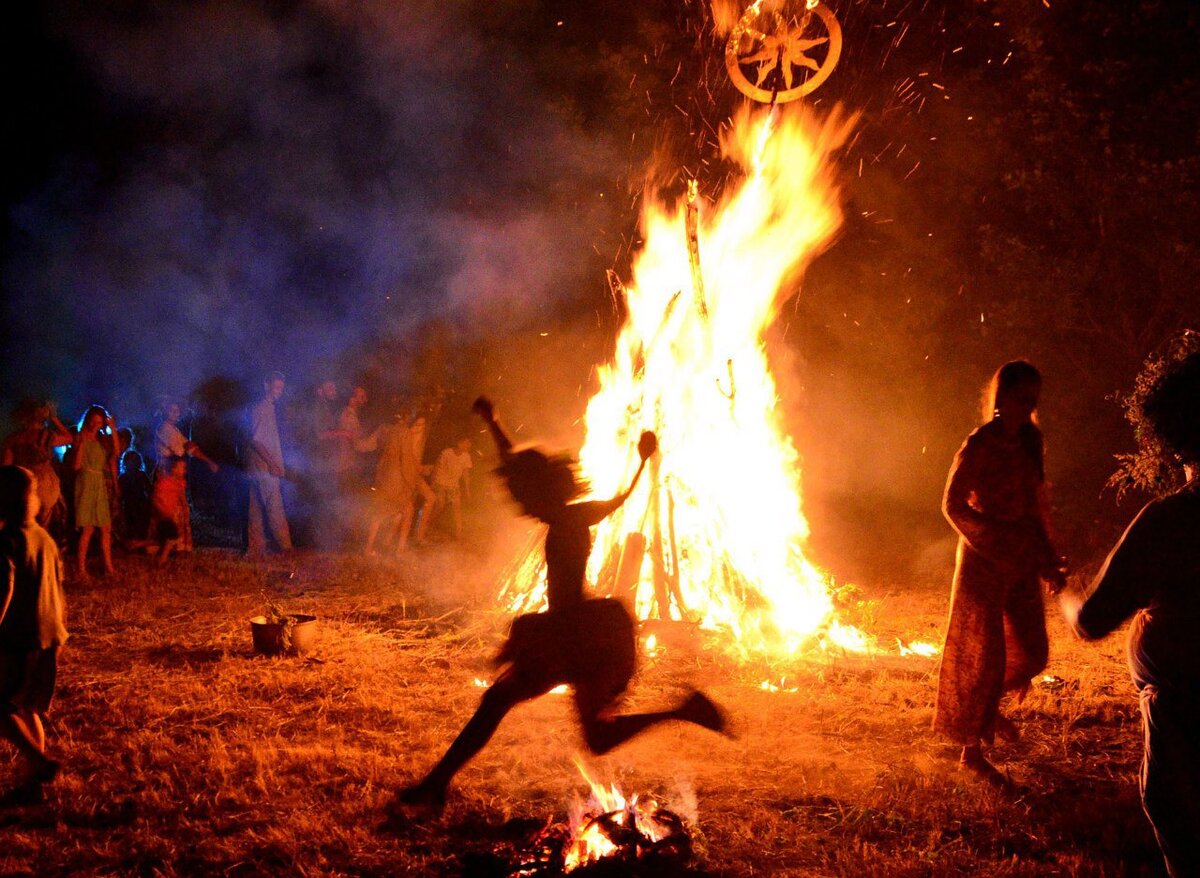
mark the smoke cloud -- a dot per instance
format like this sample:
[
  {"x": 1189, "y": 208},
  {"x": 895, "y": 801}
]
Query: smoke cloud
[{"x": 271, "y": 185}]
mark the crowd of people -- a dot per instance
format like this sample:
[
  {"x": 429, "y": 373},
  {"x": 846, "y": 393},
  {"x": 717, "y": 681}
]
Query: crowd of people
[
  {"x": 996, "y": 640},
  {"x": 349, "y": 488}
]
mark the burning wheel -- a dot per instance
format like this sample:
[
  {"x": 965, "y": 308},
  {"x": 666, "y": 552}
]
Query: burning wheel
[{"x": 777, "y": 40}]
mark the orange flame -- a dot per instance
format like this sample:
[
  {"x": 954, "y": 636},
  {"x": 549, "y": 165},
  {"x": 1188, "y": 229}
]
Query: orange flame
[
  {"x": 715, "y": 533},
  {"x": 589, "y": 842}
]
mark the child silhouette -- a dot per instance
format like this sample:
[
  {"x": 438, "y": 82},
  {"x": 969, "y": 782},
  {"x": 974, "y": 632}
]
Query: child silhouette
[{"x": 588, "y": 643}]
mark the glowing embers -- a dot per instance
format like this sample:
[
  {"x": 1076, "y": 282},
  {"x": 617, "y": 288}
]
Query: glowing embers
[
  {"x": 714, "y": 536},
  {"x": 608, "y": 834},
  {"x": 609, "y": 827}
]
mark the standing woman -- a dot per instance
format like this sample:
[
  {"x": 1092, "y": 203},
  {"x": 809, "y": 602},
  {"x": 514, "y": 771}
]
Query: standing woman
[
  {"x": 32, "y": 446},
  {"x": 996, "y": 638},
  {"x": 94, "y": 462}
]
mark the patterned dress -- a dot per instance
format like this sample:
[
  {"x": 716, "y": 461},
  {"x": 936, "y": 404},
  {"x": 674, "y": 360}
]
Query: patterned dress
[
  {"x": 91, "y": 487},
  {"x": 996, "y": 637}
]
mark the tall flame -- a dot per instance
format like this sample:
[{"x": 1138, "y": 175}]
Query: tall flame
[{"x": 715, "y": 532}]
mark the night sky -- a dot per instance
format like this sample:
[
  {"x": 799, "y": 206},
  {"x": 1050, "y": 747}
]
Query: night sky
[{"x": 406, "y": 193}]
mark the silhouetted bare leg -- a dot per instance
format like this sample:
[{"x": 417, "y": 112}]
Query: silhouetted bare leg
[
  {"x": 81, "y": 549},
  {"x": 603, "y": 733},
  {"x": 505, "y": 694},
  {"x": 106, "y": 549},
  {"x": 373, "y": 532},
  {"x": 404, "y": 527}
]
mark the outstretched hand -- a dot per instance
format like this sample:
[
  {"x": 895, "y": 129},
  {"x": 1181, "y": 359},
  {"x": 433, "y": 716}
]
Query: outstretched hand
[
  {"x": 647, "y": 444},
  {"x": 484, "y": 408}
]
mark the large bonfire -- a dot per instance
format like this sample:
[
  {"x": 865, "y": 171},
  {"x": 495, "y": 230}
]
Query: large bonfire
[{"x": 716, "y": 535}]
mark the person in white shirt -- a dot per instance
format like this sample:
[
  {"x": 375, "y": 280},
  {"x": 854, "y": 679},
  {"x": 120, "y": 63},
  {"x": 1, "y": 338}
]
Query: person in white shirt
[
  {"x": 451, "y": 484},
  {"x": 264, "y": 465}
]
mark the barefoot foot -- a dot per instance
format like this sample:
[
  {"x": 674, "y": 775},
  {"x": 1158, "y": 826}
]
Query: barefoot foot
[
  {"x": 974, "y": 762},
  {"x": 47, "y": 771},
  {"x": 1006, "y": 730},
  {"x": 703, "y": 711},
  {"x": 425, "y": 795}
]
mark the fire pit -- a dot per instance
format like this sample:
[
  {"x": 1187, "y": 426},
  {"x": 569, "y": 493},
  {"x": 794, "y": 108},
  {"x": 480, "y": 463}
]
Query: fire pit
[{"x": 607, "y": 835}]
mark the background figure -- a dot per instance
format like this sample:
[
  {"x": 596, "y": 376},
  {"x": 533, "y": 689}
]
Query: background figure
[
  {"x": 1154, "y": 571},
  {"x": 589, "y": 644},
  {"x": 32, "y": 446},
  {"x": 319, "y": 443},
  {"x": 398, "y": 481},
  {"x": 341, "y": 517},
  {"x": 123, "y": 440},
  {"x": 169, "y": 514},
  {"x": 135, "y": 496},
  {"x": 32, "y": 608},
  {"x": 451, "y": 483},
  {"x": 421, "y": 498},
  {"x": 996, "y": 637},
  {"x": 94, "y": 461},
  {"x": 171, "y": 445},
  {"x": 264, "y": 467}
]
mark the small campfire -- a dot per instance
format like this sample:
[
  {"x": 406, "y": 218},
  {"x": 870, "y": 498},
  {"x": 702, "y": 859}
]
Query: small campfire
[{"x": 607, "y": 834}]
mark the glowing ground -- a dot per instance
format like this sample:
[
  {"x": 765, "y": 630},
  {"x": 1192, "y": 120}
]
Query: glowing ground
[{"x": 187, "y": 754}]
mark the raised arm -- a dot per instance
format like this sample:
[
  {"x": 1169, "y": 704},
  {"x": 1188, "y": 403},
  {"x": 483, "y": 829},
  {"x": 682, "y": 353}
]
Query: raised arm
[
  {"x": 647, "y": 445},
  {"x": 59, "y": 434},
  {"x": 484, "y": 408},
  {"x": 597, "y": 510},
  {"x": 75, "y": 452}
]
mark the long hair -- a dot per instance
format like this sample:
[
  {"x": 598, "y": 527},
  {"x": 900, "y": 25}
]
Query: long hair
[
  {"x": 1008, "y": 377},
  {"x": 93, "y": 410},
  {"x": 540, "y": 482}
]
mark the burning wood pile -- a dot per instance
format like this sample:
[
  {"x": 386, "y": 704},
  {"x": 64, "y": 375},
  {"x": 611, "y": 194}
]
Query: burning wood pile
[{"x": 715, "y": 536}]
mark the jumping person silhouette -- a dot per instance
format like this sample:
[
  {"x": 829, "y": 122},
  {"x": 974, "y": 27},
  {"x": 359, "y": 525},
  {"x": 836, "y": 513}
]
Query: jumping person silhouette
[{"x": 587, "y": 643}]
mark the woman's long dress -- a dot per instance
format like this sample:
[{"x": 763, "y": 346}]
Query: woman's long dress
[{"x": 996, "y": 637}]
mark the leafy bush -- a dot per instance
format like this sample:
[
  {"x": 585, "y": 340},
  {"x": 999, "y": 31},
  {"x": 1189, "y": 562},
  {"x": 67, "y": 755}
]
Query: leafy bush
[{"x": 1158, "y": 425}]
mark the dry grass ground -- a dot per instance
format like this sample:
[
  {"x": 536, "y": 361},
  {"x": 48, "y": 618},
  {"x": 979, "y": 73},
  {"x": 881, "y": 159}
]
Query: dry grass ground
[{"x": 186, "y": 754}]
